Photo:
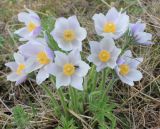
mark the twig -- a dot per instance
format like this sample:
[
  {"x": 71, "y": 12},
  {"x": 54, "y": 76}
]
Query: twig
[{"x": 5, "y": 105}]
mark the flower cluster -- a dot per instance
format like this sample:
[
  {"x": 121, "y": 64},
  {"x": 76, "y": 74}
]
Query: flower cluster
[{"x": 66, "y": 63}]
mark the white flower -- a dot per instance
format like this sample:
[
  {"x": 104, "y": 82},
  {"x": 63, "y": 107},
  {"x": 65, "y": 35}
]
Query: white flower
[
  {"x": 104, "y": 54},
  {"x": 141, "y": 37},
  {"x": 112, "y": 24},
  {"x": 41, "y": 55},
  {"x": 127, "y": 68},
  {"x": 19, "y": 73},
  {"x": 68, "y": 33},
  {"x": 69, "y": 69},
  {"x": 32, "y": 25}
]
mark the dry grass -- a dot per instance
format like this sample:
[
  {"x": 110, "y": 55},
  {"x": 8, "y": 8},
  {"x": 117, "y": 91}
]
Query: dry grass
[{"x": 139, "y": 107}]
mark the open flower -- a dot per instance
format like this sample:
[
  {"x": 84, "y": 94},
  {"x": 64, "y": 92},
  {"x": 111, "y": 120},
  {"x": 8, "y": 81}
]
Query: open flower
[
  {"x": 104, "y": 54},
  {"x": 112, "y": 24},
  {"x": 32, "y": 25},
  {"x": 68, "y": 33},
  {"x": 69, "y": 69},
  {"x": 141, "y": 37},
  {"x": 41, "y": 55},
  {"x": 127, "y": 68},
  {"x": 19, "y": 73}
]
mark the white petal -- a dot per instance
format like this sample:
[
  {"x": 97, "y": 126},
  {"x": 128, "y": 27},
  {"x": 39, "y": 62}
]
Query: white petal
[
  {"x": 60, "y": 58},
  {"x": 83, "y": 68},
  {"x": 143, "y": 37},
  {"x": 99, "y": 21},
  {"x": 30, "y": 49},
  {"x": 12, "y": 65},
  {"x": 81, "y": 33},
  {"x": 114, "y": 56},
  {"x": 127, "y": 81},
  {"x": 23, "y": 32},
  {"x": 112, "y": 14},
  {"x": 76, "y": 82},
  {"x": 134, "y": 75},
  {"x": 62, "y": 80},
  {"x": 54, "y": 69},
  {"x": 57, "y": 34},
  {"x": 95, "y": 47},
  {"x": 127, "y": 53},
  {"x": 111, "y": 63},
  {"x": 73, "y": 22},
  {"x": 41, "y": 76},
  {"x": 74, "y": 57},
  {"x": 34, "y": 16},
  {"x": 137, "y": 27},
  {"x": 115, "y": 53},
  {"x": 77, "y": 45},
  {"x": 122, "y": 25},
  {"x": 94, "y": 58},
  {"x": 135, "y": 62},
  {"x": 107, "y": 43},
  {"x": 123, "y": 78},
  {"x": 13, "y": 77},
  {"x": 101, "y": 67},
  {"x": 61, "y": 23},
  {"x": 66, "y": 46},
  {"x": 18, "y": 58},
  {"x": 127, "y": 56},
  {"x": 23, "y": 17},
  {"x": 32, "y": 64}
]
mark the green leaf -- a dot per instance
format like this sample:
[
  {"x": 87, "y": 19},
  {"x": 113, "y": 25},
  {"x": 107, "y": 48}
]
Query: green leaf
[
  {"x": 21, "y": 118},
  {"x": 66, "y": 124}
]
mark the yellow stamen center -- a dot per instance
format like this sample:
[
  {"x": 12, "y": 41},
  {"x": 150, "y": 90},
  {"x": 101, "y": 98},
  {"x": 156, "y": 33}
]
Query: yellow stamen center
[
  {"x": 20, "y": 68},
  {"x": 43, "y": 58},
  {"x": 31, "y": 26},
  {"x": 69, "y": 35},
  {"x": 124, "y": 69},
  {"x": 104, "y": 56},
  {"x": 109, "y": 27},
  {"x": 68, "y": 69}
]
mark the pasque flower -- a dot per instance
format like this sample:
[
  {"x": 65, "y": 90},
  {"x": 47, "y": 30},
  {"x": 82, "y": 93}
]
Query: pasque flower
[
  {"x": 126, "y": 68},
  {"x": 112, "y": 24},
  {"x": 69, "y": 69},
  {"x": 42, "y": 56},
  {"x": 141, "y": 37},
  {"x": 68, "y": 33},
  {"x": 104, "y": 54},
  {"x": 19, "y": 72},
  {"x": 32, "y": 25}
]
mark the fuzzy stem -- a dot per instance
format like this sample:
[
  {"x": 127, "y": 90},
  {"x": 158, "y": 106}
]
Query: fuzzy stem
[
  {"x": 62, "y": 99},
  {"x": 103, "y": 80},
  {"x": 94, "y": 82},
  {"x": 73, "y": 96},
  {"x": 55, "y": 103}
]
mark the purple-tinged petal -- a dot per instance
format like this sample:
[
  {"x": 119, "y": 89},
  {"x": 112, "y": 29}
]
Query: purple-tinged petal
[
  {"x": 120, "y": 61},
  {"x": 21, "y": 80},
  {"x": 30, "y": 50},
  {"x": 37, "y": 31},
  {"x": 49, "y": 52}
]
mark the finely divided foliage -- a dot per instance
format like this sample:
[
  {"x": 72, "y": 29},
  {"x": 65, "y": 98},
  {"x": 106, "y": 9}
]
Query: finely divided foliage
[{"x": 66, "y": 65}]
